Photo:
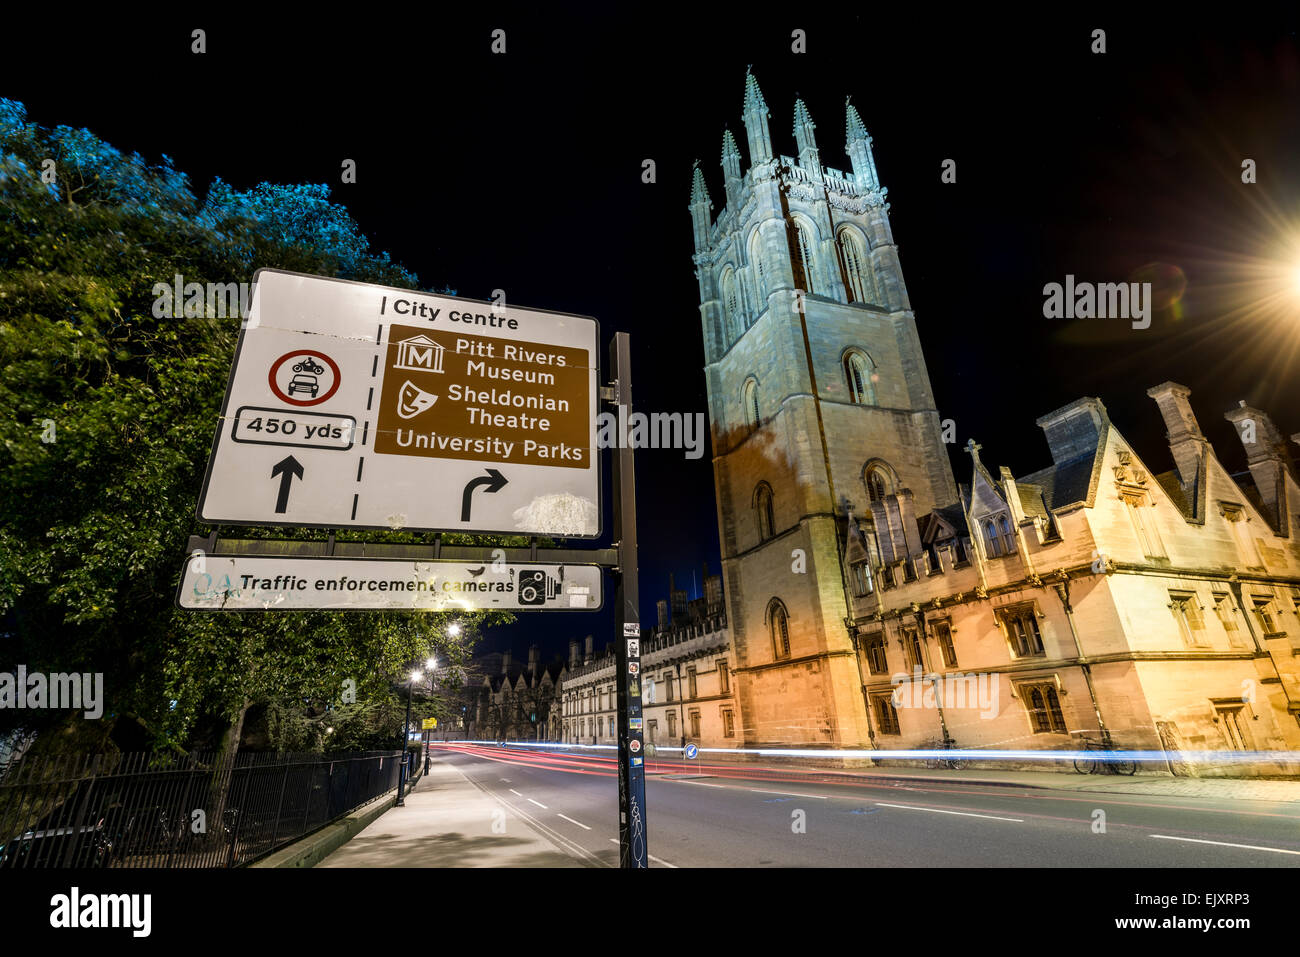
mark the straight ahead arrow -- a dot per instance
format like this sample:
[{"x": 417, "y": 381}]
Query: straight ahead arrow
[
  {"x": 494, "y": 481},
  {"x": 286, "y": 468}
]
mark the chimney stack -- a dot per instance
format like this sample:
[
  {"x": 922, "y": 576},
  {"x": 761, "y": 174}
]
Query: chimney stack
[
  {"x": 587, "y": 650},
  {"x": 532, "y": 660},
  {"x": 1265, "y": 457},
  {"x": 573, "y": 654},
  {"x": 1075, "y": 429},
  {"x": 505, "y": 662},
  {"x": 1186, "y": 441}
]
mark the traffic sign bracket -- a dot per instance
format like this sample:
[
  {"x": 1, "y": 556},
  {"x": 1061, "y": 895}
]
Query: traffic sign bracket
[{"x": 607, "y": 557}]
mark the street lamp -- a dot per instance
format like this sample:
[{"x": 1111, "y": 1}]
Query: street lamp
[
  {"x": 406, "y": 730},
  {"x": 453, "y": 629}
]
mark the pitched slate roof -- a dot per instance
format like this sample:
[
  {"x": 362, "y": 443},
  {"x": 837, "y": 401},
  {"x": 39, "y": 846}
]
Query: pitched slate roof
[
  {"x": 1173, "y": 487},
  {"x": 1065, "y": 483}
]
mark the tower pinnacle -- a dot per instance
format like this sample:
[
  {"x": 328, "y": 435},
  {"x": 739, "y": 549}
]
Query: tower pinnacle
[
  {"x": 755, "y": 115},
  {"x": 700, "y": 206},
  {"x": 804, "y": 139},
  {"x": 730, "y": 166},
  {"x": 859, "y": 148}
]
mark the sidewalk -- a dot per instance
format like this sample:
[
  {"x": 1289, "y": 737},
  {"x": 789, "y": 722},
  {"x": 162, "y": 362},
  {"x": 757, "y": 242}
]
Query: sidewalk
[
  {"x": 448, "y": 822},
  {"x": 1242, "y": 789}
]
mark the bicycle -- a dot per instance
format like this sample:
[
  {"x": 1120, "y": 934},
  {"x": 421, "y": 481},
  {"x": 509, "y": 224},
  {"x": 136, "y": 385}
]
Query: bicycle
[
  {"x": 1085, "y": 765},
  {"x": 948, "y": 744}
]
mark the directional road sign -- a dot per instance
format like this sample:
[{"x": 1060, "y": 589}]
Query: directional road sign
[
  {"x": 356, "y": 405},
  {"x": 279, "y": 583}
]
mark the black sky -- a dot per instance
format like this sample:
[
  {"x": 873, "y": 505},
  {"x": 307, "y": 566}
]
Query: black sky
[{"x": 523, "y": 172}]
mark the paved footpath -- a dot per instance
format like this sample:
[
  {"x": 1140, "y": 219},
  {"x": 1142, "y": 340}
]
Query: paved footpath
[
  {"x": 449, "y": 822},
  {"x": 1246, "y": 789}
]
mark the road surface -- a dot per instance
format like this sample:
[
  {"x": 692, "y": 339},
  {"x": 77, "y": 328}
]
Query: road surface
[{"x": 730, "y": 816}]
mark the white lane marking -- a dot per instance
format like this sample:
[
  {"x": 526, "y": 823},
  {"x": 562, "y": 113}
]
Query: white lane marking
[
  {"x": 698, "y": 783},
  {"x": 935, "y": 810},
  {"x": 657, "y": 860},
  {"x": 572, "y": 821},
  {"x": 505, "y": 780},
  {"x": 1249, "y": 847},
  {"x": 538, "y": 803},
  {"x": 815, "y": 797},
  {"x": 515, "y": 793}
]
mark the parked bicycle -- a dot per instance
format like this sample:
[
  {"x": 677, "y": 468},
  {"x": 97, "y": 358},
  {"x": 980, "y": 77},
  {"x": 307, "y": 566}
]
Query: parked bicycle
[
  {"x": 948, "y": 744},
  {"x": 1099, "y": 765}
]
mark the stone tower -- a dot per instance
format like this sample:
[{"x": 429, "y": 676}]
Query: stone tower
[{"x": 820, "y": 404}]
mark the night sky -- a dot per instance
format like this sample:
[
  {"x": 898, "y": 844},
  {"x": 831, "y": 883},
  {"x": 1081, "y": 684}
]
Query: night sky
[{"x": 523, "y": 172}]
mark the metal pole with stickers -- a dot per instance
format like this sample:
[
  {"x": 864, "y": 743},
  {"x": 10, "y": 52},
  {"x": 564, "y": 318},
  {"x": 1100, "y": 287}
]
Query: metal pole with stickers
[{"x": 633, "y": 852}]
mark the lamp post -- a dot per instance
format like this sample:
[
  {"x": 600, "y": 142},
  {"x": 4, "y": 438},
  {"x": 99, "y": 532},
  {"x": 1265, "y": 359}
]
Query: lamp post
[{"x": 406, "y": 730}]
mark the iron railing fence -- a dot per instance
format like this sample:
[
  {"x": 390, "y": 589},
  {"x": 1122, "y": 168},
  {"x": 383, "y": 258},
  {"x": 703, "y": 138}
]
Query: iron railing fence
[{"x": 197, "y": 810}]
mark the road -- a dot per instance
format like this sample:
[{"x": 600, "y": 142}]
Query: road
[{"x": 729, "y": 816}]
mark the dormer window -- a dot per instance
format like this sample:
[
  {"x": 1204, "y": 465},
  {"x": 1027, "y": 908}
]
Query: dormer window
[
  {"x": 1008, "y": 539},
  {"x": 999, "y": 540}
]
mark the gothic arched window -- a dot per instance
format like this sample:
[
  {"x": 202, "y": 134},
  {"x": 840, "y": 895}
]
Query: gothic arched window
[
  {"x": 1008, "y": 540},
  {"x": 856, "y": 271},
  {"x": 779, "y": 622},
  {"x": 802, "y": 261},
  {"x": 991, "y": 538},
  {"x": 731, "y": 304},
  {"x": 878, "y": 483},
  {"x": 752, "y": 418},
  {"x": 858, "y": 374},
  {"x": 760, "y": 277},
  {"x": 764, "y": 510}
]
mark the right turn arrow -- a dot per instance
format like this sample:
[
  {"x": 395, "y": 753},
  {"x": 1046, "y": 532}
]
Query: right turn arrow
[{"x": 494, "y": 481}]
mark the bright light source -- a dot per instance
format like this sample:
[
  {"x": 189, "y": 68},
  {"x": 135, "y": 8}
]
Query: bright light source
[
  {"x": 431, "y": 663},
  {"x": 417, "y": 675},
  {"x": 453, "y": 629}
]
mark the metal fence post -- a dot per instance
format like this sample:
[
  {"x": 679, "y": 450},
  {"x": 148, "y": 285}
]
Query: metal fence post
[
  {"x": 70, "y": 855},
  {"x": 280, "y": 807}
]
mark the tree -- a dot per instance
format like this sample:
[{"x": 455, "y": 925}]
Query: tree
[{"x": 107, "y": 414}]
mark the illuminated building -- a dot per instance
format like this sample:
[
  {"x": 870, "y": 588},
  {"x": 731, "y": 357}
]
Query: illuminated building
[{"x": 1091, "y": 595}]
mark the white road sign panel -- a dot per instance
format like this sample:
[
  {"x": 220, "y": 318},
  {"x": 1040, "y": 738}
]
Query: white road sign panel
[
  {"x": 356, "y": 405},
  {"x": 276, "y": 583}
]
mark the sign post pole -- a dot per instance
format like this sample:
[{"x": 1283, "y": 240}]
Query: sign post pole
[{"x": 633, "y": 852}]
